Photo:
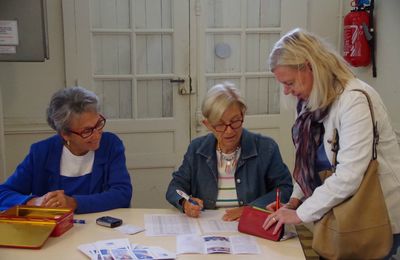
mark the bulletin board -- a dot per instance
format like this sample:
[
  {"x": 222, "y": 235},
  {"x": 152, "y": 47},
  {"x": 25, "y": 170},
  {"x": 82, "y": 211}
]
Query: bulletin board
[{"x": 23, "y": 30}]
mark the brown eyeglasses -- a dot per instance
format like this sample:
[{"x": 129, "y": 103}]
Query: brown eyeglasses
[
  {"x": 234, "y": 125},
  {"x": 89, "y": 131}
]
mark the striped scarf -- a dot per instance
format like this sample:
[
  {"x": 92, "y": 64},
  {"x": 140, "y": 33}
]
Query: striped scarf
[{"x": 307, "y": 134}]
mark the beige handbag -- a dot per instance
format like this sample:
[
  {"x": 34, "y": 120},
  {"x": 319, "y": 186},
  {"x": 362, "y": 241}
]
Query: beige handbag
[{"x": 359, "y": 227}]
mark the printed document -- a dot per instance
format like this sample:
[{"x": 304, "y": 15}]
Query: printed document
[
  {"x": 170, "y": 225},
  {"x": 217, "y": 225},
  {"x": 211, "y": 222},
  {"x": 213, "y": 244}
]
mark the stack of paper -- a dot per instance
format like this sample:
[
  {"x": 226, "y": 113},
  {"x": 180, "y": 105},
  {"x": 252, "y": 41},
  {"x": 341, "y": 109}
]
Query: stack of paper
[{"x": 118, "y": 249}]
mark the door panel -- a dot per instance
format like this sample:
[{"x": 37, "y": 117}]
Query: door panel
[{"x": 132, "y": 49}]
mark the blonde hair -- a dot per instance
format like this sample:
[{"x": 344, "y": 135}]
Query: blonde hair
[
  {"x": 330, "y": 71},
  {"x": 218, "y": 99}
]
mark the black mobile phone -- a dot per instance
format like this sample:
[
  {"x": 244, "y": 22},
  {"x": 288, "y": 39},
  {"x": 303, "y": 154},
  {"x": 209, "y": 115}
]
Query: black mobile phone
[{"x": 108, "y": 221}]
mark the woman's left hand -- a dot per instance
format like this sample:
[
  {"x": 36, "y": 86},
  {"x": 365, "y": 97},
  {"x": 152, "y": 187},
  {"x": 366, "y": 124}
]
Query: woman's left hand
[
  {"x": 281, "y": 217},
  {"x": 232, "y": 214}
]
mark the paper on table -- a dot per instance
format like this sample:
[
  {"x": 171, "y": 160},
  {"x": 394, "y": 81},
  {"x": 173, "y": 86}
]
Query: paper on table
[
  {"x": 244, "y": 245},
  {"x": 218, "y": 225},
  {"x": 238, "y": 244},
  {"x": 129, "y": 229},
  {"x": 170, "y": 225}
]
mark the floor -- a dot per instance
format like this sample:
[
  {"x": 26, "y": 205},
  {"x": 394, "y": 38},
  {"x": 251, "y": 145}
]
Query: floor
[{"x": 306, "y": 237}]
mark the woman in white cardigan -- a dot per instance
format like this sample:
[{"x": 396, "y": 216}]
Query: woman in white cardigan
[{"x": 322, "y": 82}]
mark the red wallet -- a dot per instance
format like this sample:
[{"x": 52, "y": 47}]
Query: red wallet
[{"x": 251, "y": 223}]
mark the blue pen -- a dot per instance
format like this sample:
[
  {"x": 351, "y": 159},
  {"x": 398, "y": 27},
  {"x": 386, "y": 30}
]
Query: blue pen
[
  {"x": 79, "y": 221},
  {"x": 186, "y": 197}
]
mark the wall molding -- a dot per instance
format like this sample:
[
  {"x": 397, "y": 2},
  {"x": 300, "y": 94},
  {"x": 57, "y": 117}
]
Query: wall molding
[{"x": 13, "y": 126}]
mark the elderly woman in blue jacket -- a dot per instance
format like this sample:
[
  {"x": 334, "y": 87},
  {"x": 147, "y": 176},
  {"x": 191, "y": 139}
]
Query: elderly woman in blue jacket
[
  {"x": 230, "y": 167},
  {"x": 80, "y": 168}
]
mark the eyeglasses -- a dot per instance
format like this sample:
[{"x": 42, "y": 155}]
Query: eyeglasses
[
  {"x": 89, "y": 131},
  {"x": 234, "y": 125}
]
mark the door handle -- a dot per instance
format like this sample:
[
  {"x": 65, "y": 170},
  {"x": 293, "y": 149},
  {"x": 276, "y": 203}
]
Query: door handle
[
  {"x": 177, "y": 81},
  {"x": 182, "y": 88}
]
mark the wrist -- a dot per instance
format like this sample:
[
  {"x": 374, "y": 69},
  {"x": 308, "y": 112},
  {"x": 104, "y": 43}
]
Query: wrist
[{"x": 293, "y": 203}]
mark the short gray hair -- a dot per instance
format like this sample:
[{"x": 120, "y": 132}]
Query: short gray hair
[
  {"x": 69, "y": 102},
  {"x": 218, "y": 99}
]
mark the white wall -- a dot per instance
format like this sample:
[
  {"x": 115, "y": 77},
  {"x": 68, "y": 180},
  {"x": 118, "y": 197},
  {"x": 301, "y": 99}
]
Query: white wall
[
  {"x": 26, "y": 90},
  {"x": 26, "y": 87}
]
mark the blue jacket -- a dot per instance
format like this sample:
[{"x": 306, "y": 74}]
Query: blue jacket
[
  {"x": 260, "y": 170},
  {"x": 39, "y": 173}
]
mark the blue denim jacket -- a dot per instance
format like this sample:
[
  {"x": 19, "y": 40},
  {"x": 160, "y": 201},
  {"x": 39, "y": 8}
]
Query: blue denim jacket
[{"x": 260, "y": 170}]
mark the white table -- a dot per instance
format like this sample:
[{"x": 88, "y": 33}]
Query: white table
[{"x": 65, "y": 246}]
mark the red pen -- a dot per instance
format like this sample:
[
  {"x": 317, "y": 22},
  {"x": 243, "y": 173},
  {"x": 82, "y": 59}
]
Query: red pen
[{"x": 278, "y": 199}]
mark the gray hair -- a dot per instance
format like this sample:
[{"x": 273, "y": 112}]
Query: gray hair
[
  {"x": 330, "y": 71},
  {"x": 218, "y": 99},
  {"x": 69, "y": 102}
]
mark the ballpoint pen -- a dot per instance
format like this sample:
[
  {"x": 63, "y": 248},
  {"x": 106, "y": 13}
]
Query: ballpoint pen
[
  {"x": 186, "y": 197},
  {"x": 278, "y": 198}
]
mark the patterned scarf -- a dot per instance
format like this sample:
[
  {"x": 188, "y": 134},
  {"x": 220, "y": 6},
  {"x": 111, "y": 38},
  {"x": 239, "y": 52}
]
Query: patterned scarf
[{"x": 307, "y": 134}]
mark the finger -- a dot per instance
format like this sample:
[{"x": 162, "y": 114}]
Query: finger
[
  {"x": 277, "y": 227},
  {"x": 48, "y": 196},
  {"x": 199, "y": 201},
  {"x": 271, "y": 207},
  {"x": 269, "y": 222},
  {"x": 52, "y": 203}
]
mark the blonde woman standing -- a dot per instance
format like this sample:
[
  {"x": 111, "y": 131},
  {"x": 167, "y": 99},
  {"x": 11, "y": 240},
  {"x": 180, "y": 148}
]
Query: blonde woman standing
[{"x": 322, "y": 82}]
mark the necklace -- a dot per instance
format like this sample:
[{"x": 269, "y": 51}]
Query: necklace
[{"x": 230, "y": 160}]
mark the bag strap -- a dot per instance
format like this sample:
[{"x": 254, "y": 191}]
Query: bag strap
[{"x": 335, "y": 140}]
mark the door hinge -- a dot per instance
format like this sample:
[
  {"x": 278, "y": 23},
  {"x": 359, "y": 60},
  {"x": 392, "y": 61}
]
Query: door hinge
[{"x": 197, "y": 8}]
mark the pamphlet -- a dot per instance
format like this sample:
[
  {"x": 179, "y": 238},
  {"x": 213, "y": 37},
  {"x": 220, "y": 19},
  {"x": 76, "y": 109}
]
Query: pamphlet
[
  {"x": 214, "y": 244},
  {"x": 121, "y": 249}
]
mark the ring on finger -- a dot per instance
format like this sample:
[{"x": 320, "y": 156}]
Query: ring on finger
[{"x": 275, "y": 220}]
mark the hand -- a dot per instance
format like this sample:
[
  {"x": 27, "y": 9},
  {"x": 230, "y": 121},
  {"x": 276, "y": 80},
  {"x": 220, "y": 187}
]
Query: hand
[
  {"x": 36, "y": 201},
  {"x": 57, "y": 199},
  {"x": 293, "y": 203},
  {"x": 233, "y": 214},
  {"x": 192, "y": 210},
  {"x": 281, "y": 217}
]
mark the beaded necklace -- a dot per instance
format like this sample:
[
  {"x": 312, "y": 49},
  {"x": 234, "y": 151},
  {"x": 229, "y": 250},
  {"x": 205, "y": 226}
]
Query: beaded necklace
[{"x": 229, "y": 159}]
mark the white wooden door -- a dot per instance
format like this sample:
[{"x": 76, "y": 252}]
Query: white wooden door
[
  {"x": 134, "y": 55},
  {"x": 128, "y": 51},
  {"x": 232, "y": 41}
]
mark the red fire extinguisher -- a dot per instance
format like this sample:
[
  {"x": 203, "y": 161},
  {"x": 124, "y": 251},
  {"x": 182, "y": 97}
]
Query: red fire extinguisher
[{"x": 356, "y": 49}]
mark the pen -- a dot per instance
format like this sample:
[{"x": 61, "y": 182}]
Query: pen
[
  {"x": 278, "y": 198},
  {"x": 186, "y": 197},
  {"x": 79, "y": 221},
  {"x": 261, "y": 209}
]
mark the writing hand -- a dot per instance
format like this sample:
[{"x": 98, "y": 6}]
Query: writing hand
[{"x": 192, "y": 210}]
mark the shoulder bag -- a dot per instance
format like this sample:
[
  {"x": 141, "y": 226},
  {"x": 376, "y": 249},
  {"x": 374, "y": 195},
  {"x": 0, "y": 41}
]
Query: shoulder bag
[{"x": 359, "y": 227}]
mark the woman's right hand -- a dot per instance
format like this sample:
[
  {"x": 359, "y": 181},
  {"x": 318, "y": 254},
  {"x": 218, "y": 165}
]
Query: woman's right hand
[
  {"x": 293, "y": 203},
  {"x": 192, "y": 210}
]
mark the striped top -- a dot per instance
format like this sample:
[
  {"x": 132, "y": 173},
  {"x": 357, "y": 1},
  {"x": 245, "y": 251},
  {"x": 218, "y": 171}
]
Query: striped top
[{"x": 227, "y": 196}]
